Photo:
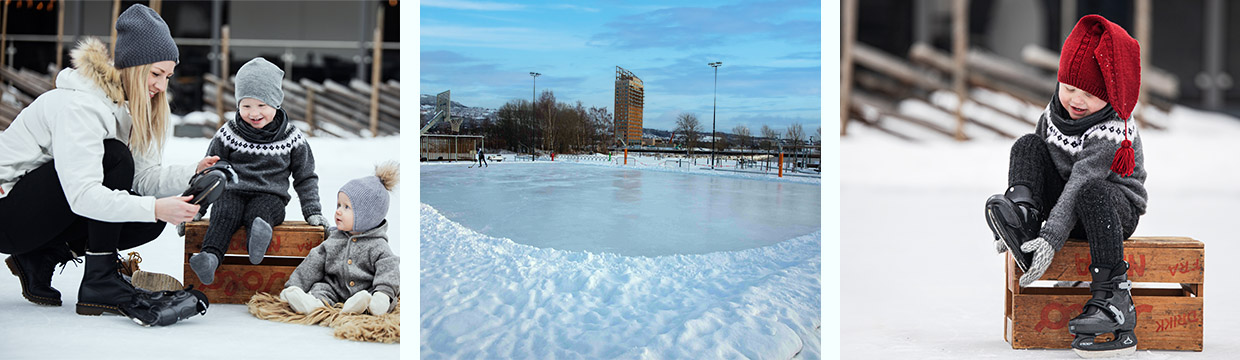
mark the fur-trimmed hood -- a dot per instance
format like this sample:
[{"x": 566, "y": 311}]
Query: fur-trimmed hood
[{"x": 91, "y": 61}]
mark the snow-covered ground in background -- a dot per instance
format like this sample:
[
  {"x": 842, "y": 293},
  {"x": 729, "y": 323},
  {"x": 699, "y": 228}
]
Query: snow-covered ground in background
[
  {"x": 920, "y": 278},
  {"x": 488, "y": 297},
  {"x": 227, "y": 331}
]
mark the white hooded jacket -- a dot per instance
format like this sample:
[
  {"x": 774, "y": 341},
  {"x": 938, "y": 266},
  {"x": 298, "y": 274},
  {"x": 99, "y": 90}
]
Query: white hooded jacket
[{"x": 69, "y": 124}]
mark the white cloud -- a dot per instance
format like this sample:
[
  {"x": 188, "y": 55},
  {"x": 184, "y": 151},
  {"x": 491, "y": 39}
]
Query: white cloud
[
  {"x": 498, "y": 37},
  {"x": 472, "y": 5}
]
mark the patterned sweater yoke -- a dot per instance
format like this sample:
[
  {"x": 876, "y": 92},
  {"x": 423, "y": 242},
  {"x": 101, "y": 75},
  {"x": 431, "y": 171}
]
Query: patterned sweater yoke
[{"x": 1084, "y": 157}]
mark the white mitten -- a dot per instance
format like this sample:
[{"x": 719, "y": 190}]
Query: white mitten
[
  {"x": 300, "y": 301},
  {"x": 1043, "y": 253},
  {"x": 357, "y": 303},
  {"x": 380, "y": 303}
]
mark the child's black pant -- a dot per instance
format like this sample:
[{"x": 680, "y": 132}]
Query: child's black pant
[
  {"x": 1105, "y": 218},
  {"x": 235, "y": 209},
  {"x": 36, "y": 214}
]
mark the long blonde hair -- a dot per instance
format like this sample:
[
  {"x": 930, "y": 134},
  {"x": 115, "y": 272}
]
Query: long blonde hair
[{"x": 150, "y": 118}]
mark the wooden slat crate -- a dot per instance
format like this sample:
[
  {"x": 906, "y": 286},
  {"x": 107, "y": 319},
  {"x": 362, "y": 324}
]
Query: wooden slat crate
[
  {"x": 236, "y": 279},
  {"x": 1168, "y": 317}
]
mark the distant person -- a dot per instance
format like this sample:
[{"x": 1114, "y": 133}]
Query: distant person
[
  {"x": 1083, "y": 168},
  {"x": 265, "y": 149},
  {"x": 82, "y": 173},
  {"x": 482, "y": 157}
]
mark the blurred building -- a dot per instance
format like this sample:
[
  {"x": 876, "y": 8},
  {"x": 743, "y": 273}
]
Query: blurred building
[
  {"x": 315, "y": 40},
  {"x": 630, "y": 98},
  {"x": 1191, "y": 39}
]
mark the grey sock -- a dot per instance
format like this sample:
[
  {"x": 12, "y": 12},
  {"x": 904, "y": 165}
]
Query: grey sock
[
  {"x": 259, "y": 238},
  {"x": 204, "y": 265}
]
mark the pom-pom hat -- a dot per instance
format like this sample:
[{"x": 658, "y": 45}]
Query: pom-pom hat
[{"x": 1102, "y": 59}]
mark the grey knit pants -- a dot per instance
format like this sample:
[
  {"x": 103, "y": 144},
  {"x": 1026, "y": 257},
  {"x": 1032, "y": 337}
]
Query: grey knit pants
[
  {"x": 235, "y": 209},
  {"x": 1105, "y": 218}
]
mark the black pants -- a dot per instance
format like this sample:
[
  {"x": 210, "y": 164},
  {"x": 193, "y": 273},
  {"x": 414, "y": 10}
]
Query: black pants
[
  {"x": 482, "y": 159},
  {"x": 36, "y": 213},
  {"x": 235, "y": 209},
  {"x": 1105, "y": 218}
]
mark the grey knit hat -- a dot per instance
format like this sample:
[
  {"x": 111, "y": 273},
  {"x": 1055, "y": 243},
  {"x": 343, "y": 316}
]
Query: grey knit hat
[
  {"x": 370, "y": 202},
  {"x": 143, "y": 38},
  {"x": 261, "y": 80}
]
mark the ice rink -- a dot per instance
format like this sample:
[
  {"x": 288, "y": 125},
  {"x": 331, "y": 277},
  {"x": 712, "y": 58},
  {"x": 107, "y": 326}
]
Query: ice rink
[{"x": 624, "y": 211}]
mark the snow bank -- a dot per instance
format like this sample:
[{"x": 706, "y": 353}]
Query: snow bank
[{"x": 486, "y": 297}]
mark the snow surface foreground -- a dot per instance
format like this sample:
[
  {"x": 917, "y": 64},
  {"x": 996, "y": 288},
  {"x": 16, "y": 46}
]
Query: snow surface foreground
[
  {"x": 490, "y": 298},
  {"x": 920, "y": 277},
  {"x": 227, "y": 331}
]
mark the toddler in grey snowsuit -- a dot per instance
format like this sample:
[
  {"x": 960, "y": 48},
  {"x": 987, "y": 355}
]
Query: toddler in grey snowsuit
[
  {"x": 355, "y": 264},
  {"x": 264, "y": 149}
]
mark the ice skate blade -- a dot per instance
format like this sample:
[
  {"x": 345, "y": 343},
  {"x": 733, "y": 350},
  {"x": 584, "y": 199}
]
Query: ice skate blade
[
  {"x": 1096, "y": 354},
  {"x": 995, "y": 226}
]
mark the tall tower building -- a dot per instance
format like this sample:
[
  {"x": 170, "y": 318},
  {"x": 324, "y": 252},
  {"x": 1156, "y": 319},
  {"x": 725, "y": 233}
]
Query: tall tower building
[{"x": 630, "y": 98}]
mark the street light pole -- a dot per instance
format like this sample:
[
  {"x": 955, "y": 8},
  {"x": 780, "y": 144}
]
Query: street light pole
[
  {"x": 714, "y": 102},
  {"x": 533, "y": 109}
]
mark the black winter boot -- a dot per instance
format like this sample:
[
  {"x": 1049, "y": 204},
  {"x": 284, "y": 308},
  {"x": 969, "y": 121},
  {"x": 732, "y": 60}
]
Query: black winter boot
[
  {"x": 1109, "y": 311},
  {"x": 34, "y": 270},
  {"x": 1015, "y": 218},
  {"x": 103, "y": 289}
]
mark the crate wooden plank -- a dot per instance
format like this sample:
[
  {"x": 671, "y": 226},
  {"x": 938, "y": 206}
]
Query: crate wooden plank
[
  {"x": 236, "y": 283},
  {"x": 1150, "y": 259},
  {"x": 1163, "y": 322},
  {"x": 292, "y": 238}
]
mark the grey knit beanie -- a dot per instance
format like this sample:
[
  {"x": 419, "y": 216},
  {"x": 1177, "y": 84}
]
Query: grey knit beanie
[
  {"x": 261, "y": 80},
  {"x": 370, "y": 202},
  {"x": 143, "y": 38}
]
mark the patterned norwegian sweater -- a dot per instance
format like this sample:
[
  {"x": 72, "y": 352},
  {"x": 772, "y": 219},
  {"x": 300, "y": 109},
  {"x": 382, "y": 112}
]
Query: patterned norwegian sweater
[
  {"x": 1083, "y": 157},
  {"x": 265, "y": 166}
]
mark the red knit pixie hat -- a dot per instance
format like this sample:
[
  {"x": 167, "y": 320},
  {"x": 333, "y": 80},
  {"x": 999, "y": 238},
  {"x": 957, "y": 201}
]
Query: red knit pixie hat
[{"x": 1102, "y": 59}]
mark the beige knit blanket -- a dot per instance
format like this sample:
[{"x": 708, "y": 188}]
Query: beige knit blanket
[{"x": 358, "y": 327}]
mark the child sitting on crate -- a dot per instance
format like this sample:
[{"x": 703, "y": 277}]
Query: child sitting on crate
[
  {"x": 355, "y": 263},
  {"x": 264, "y": 149},
  {"x": 1082, "y": 172}
]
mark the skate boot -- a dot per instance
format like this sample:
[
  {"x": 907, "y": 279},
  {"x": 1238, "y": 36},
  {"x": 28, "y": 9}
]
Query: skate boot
[
  {"x": 1014, "y": 218},
  {"x": 207, "y": 185},
  {"x": 163, "y": 308},
  {"x": 1109, "y": 311}
]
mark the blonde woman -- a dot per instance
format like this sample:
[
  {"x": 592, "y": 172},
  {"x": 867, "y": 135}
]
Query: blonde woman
[{"x": 81, "y": 168}]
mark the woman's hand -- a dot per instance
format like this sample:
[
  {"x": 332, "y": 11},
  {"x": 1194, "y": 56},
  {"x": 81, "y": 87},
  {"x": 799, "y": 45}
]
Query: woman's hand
[
  {"x": 175, "y": 209},
  {"x": 206, "y": 162}
]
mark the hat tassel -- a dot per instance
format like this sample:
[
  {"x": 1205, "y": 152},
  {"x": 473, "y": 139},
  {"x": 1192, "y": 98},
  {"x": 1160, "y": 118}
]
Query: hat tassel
[{"x": 1124, "y": 162}]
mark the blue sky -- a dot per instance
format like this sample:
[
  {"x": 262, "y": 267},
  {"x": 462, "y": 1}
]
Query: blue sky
[{"x": 771, "y": 52}]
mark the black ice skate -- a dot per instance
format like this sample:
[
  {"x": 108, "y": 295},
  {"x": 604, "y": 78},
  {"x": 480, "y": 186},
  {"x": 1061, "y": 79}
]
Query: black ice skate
[
  {"x": 1014, "y": 218},
  {"x": 1109, "y": 311},
  {"x": 163, "y": 308},
  {"x": 207, "y": 185}
]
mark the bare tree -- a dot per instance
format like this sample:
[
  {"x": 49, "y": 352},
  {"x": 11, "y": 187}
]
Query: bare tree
[
  {"x": 742, "y": 135},
  {"x": 687, "y": 123},
  {"x": 769, "y": 134},
  {"x": 795, "y": 134}
]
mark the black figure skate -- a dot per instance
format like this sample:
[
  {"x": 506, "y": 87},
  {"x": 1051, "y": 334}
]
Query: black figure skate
[
  {"x": 1014, "y": 218},
  {"x": 1109, "y": 311},
  {"x": 207, "y": 185},
  {"x": 163, "y": 308}
]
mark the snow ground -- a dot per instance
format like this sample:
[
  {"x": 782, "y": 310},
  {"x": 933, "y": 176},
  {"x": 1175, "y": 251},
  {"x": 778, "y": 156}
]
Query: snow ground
[
  {"x": 226, "y": 331},
  {"x": 935, "y": 293},
  {"x": 489, "y": 297}
]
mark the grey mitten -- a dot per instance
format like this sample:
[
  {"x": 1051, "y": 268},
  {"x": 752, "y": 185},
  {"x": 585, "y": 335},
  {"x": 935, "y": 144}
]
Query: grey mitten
[
  {"x": 181, "y": 226},
  {"x": 1043, "y": 253},
  {"x": 316, "y": 220},
  {"x": 1000, "y": 247}
]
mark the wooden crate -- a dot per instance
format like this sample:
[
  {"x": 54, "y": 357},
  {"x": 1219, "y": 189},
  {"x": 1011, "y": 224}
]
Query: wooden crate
[
  {"x": 1169, "y": 315},
  {"x": 236, "y": 279}
]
